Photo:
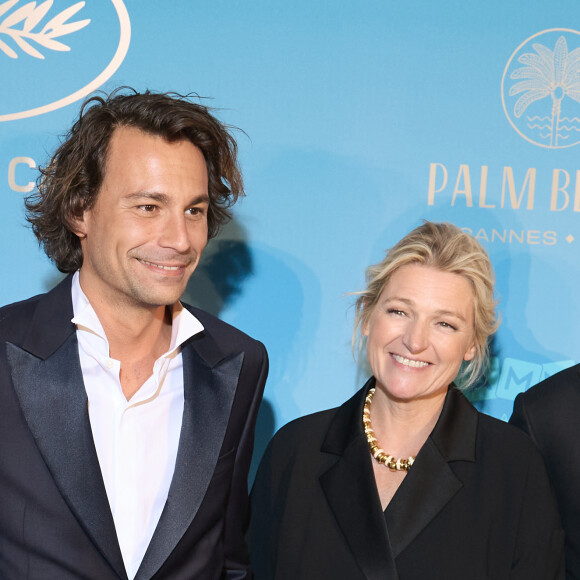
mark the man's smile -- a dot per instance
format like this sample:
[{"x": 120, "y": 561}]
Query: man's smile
[{"x": 161, "y": 266}]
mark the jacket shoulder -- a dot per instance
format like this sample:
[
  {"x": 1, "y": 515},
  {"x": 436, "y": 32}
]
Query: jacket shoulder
[
  {"x": 15, "y": 318},
  {"x": 554, "y": 389},
  {"x": 307, "y": 430},
  {"x": 292, "y": 458},
  {"x": 499, "y": 435},
  {"x": 220, "y": 330}
]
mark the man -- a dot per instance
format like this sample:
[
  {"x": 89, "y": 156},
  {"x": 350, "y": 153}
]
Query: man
[
  {"x": 549, "y": 412},
  {"x": 127, "y": 417}
]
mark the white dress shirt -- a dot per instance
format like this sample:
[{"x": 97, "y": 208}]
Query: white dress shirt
[{"x": 136, "y": 440}]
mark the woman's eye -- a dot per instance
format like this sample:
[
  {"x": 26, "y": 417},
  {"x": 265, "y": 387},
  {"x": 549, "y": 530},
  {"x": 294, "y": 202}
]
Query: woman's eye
[{"x": 395, "y": 312}]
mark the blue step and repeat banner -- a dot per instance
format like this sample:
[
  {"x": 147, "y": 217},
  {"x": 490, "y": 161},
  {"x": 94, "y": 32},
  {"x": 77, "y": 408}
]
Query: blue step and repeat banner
[{"x": 359, "y": 119}]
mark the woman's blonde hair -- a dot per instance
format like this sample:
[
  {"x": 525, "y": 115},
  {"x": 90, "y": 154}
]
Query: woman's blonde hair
[{"x": 447, "y": 248}]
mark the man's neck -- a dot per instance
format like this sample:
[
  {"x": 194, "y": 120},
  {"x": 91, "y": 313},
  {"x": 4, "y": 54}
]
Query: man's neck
[
  {"x": 137, "y": 337},
  {"x": 137, "y": 344}
]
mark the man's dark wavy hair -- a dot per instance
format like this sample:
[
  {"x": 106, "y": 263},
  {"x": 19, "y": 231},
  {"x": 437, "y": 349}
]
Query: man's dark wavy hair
[{"x": 69, "y": 184}]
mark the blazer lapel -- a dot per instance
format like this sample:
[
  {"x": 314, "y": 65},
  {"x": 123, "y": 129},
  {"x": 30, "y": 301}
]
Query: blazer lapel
[
  {"x": 350, "y": 490},
  {"x": 210, "y": 382},
  {"x": 431, "y": 483},
  {"x": 48, "y": 381}
]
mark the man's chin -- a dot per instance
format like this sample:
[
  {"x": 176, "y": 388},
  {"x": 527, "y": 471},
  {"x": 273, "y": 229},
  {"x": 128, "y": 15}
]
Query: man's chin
[{"x": 157, "y": 300}]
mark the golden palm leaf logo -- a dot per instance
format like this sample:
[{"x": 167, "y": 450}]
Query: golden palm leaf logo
[{"x": 541, "y": 98}]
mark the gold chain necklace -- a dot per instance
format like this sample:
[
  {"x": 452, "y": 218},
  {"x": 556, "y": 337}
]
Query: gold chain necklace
[{"x": 387, "y": 460}]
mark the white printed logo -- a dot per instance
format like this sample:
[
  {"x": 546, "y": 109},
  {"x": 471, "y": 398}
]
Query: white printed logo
[
  {"x": 541, "y": 88},
  {"x": 29, "y": 17},
  {"x": 33, "y": 32}
]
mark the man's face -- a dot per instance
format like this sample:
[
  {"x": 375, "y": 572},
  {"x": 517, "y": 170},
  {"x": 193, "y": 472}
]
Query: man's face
[{"x": 144, "y": 236}]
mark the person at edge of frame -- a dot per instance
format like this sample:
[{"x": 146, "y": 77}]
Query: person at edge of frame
[
  {"x": 127, "y": 416},
  {"x": 549, "y": 414}
]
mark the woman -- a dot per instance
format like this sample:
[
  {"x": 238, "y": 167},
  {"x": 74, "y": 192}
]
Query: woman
[{"x": 455, "y": 495}]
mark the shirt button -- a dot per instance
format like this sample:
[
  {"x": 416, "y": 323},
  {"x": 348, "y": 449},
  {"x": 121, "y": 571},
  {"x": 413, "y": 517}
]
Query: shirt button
[{"x": 110, "y": 364}]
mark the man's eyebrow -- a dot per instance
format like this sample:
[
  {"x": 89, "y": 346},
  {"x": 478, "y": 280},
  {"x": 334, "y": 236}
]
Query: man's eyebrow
[
  {"x": 151, "y": 195},
  {"x": 164, "y": 198},
  {"x": 204, "y": 197}
]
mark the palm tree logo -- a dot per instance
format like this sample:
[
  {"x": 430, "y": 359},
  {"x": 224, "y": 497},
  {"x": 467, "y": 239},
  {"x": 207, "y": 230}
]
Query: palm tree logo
[{"x": 546, "y": 72}]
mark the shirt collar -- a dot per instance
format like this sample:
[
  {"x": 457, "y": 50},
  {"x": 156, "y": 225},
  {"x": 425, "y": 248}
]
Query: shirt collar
[{"x": 184, "y": 323}]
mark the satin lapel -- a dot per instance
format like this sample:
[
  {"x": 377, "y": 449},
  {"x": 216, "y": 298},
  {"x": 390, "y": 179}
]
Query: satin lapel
[
  {"x": 431, "y": 484},
  {"x": 350, "y": 490},
  {"x": 54, "y": 403},
  {"x": 427, "y": 488},
  {"x": 209, "y": 393}
]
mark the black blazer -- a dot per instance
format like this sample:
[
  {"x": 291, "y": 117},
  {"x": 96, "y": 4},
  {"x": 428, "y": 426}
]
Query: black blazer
[
  {"x": 550, "y": 414},
  {"x": 55, "y": 520},
  {"x": 476, "y": 504}
]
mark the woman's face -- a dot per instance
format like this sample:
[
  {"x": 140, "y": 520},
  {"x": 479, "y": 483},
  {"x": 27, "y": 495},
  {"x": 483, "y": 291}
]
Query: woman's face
[{"x": 420, "y": 331}]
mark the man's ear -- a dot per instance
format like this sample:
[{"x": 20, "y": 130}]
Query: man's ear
[{"x": 77, "y": 225}]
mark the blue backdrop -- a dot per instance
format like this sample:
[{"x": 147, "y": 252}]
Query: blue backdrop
[{"x": 361, "y": 118}]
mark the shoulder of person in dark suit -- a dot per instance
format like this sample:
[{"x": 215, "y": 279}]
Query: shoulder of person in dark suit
[
  {"x": 549, "y": 413},
  {"x": 16, "y": 317},
  {"x": 550, "y": 409},
  {"x": 221, "y": 330}
]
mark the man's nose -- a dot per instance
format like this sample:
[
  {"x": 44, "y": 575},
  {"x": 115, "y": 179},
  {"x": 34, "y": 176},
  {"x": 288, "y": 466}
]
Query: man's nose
[{"x": 176, "y": 234}]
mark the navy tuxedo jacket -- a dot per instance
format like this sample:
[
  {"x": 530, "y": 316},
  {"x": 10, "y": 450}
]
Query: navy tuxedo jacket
[
  {"x": 55, "y": 520},
  {"x": 476, "y": 505}
]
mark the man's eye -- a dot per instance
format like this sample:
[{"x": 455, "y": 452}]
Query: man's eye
[
  {"x": 148, "y": 207},
  {"x": 196, "y": 211}
]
